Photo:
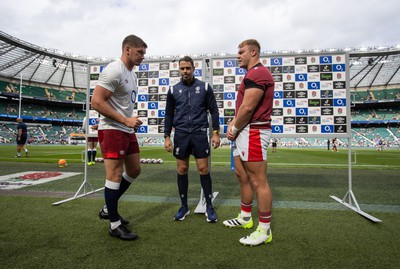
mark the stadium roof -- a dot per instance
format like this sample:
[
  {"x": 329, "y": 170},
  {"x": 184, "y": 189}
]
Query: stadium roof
[
  {"x": 378, "y": 67},
  {"x": 42, "y": 65},
  {"x": 369, "y": 67}
]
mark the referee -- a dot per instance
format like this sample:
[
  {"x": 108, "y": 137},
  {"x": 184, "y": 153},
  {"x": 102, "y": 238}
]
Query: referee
[{"x": 186, "y": 110}]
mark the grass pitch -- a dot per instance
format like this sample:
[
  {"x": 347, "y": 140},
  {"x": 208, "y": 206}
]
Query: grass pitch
[{"x": 310, "y": 229}]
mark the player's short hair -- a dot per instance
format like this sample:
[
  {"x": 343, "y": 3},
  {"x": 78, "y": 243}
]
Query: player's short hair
[
  {"x": 186, "y": 59},
  {"x": 133, "y": 41},
  {"x": 250, "y": 42}
]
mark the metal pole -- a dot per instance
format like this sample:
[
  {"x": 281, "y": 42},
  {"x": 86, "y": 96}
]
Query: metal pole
[
  {"x": 20, "y": 96},
  {"x": 349, "y": 161}
]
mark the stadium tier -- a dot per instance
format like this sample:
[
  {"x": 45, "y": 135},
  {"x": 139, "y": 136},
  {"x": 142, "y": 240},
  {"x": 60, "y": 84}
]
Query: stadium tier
[{"x": 54, "y": 87}]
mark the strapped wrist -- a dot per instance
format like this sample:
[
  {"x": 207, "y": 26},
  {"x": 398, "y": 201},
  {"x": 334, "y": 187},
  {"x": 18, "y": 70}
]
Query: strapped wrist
[{"x": 234, "y": 130}]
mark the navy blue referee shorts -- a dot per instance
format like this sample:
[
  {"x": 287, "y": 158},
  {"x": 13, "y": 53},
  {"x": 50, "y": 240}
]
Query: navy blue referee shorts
[{"x": 186, "y": 144}]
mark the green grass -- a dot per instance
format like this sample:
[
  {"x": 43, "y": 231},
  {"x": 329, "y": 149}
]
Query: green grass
[
  {"x": 310, "y": 229},
  {"x": 71, "y": 236},
  {"x": 296, "y": 157}
]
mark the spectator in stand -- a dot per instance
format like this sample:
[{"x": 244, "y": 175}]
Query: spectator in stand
[{"x": 10, "y": 88}]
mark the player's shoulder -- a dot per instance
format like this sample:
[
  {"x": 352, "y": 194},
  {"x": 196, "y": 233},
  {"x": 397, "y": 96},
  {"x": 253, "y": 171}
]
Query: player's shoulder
[
  {"x": 112, "y": 71},
  {"x": 201, "y": 83},
  {"x": 177, "y": 85},
  {"x": 259, "y": 68},
  {"x": 112, "y": 65},
  {"x": 259, "y": 71}
]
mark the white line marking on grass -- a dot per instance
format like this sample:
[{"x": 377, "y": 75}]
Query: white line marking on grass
[
  {"x": 323, "y": 164},
  {"x": 276, "y": 204}
]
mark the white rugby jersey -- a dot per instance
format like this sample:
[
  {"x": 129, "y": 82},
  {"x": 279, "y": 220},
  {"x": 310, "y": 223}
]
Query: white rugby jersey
[{"x": 123, "y": 83}]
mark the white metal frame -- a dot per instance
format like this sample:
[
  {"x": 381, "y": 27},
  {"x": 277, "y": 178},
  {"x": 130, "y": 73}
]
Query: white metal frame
[
  {"x": 201, "y": 205},
  {"x": 86, "y": 188},
  {"x": 349, "y": 200}
]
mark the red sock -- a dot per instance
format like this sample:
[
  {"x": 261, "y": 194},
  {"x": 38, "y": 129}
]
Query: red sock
[
  {"x": 264, "y": 219},
  {"x": 245, "y": 210}
]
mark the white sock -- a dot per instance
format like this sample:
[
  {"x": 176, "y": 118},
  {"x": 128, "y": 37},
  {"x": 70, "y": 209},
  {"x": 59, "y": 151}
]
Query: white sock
[
  {"x": 245, "y": 215},
  {"x": 264, "y": 225},
  {"x": 115, "y": 224},
  {"x": 112, "y": 185},
  {"x": 127, "y": 178}
]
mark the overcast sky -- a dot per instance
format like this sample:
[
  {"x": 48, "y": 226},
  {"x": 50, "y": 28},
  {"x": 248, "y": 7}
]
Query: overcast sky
[{"x": 171, "y": 27}]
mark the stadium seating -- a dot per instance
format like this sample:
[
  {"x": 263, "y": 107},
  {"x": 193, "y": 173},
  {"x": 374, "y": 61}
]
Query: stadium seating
[
  {"x": 48, "y": 133},
  {"x": 43, "y": 92},
  {"x": 376, "y": 95},
  {"x": 34, "y": 110},
  {"x": 372, "y": 114}
]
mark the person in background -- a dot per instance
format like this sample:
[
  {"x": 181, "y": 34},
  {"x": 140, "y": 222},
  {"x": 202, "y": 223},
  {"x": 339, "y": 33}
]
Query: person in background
[
  {"x": 186, "y": 110},
  {"x": 22, "y": 136},
  {"x": 274, "y": 144},
  {"x": 114, "y": 98},
  {"x": 92, "y": 143},
  {"x": 334, "y": 144}
]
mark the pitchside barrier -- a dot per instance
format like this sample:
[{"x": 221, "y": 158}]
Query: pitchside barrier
[{"x": 311, "y": 98}]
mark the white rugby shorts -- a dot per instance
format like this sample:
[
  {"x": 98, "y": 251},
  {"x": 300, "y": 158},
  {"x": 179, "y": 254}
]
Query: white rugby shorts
[{"x": 251, "y": 144}]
